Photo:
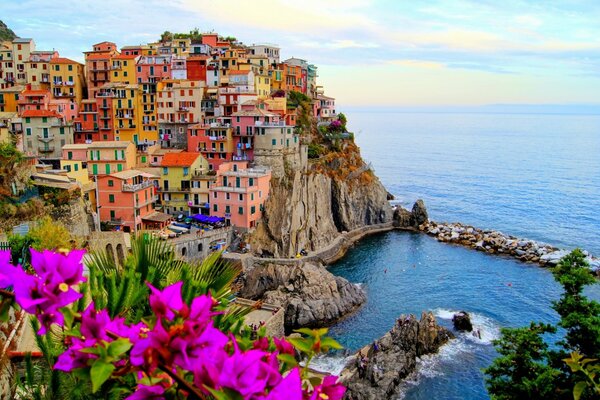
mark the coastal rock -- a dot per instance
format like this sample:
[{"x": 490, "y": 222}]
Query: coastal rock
[
  {"x": 307, "y": 209},
  {"x": 462, "y": 321},
  {"x": 377, "y": 371},
  {"x": 310, "y": 294},
  {"x": 413, "y": 219}
]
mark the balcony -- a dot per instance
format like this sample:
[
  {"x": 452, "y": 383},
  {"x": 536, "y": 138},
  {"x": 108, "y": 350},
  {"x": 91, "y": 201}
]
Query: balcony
[
  {"x": 116, "y": 221},
  {"x": 135, "y": 187},
  {"x": 183, "y": 109},
  {"x": 230, "y": 189},
  {"x": 142, "y": 203},
  {"x": 270, "y": 124},
  {"x": 217, "y": 138},
  {"x": 45, "y": 139},
  {"x": 175, "y": 190},
  {"x": 46, "y": 147},
  {"x": 220, "y": 150}
]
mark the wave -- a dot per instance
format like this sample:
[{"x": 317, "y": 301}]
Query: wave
[
  {"x": 331, "y": 363},
  {"x": 487, "y": 327}
]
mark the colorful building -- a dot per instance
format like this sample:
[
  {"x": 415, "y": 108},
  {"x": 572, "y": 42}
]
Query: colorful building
[
  {"x": 67, "y": 79},
  {"x": 85, "y": 126},
  {"x": 125, "y": 198},
  {"x": 123, "y": 68},
  {"x": 9, "y": 97},
  {"x": 98, "y": 66},
  {"x": 179, "y": 105},
  {"x": 239, "y": 194},
  {"x": 215, "y": 143},
  {"x": 178, "y": 169},
  {"x": 38, "y": 68},
  {"x": 45, "y": 132},
  {"x": 105, "y": 158}
]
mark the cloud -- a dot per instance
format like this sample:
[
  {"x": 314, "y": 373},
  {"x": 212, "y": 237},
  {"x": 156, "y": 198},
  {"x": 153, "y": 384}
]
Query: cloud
[{"x": 418, "y": 64}]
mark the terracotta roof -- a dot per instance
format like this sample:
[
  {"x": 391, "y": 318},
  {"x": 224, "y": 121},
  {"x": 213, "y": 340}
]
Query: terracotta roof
[
  {"x": 30, "y": 92},
  {"x": 254, "y": 113},
  {"x": 101, "y": 56},
  {"x": 125, "y": 57},
  {"x": 40, "y": 113},
  {"x": 183, "y": 159},
  {"x": 62, "y": 60},
  {"x": 238, "y": 72}
]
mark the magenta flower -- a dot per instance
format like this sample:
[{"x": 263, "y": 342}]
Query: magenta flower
[
  {"x": 245, "y": 372},
  {"x": 6, "y": 269},
  {"x": 64, "y": 268},
  {"x": 166, "y": 302},
  {"x": 261, "y": 344},
  {"x": 284, "y": 347},
  {"x": 152, "y": 349},
  {"x": 73, "y": 358},
  {"x": 329, "y": 389},
  {"x": 290, "y": 387},
  {"x": 144, "y": 392}
]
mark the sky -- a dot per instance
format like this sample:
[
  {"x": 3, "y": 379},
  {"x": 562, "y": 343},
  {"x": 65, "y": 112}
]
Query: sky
[{"x": 369, "y": 53}]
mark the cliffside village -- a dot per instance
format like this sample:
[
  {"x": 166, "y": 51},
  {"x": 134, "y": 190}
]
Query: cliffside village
[{"x": 160, "y": 135}]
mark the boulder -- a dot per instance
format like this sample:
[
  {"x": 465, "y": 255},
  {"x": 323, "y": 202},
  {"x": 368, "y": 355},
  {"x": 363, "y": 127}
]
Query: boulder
[
  {"x": 413, "y": 219},
  {"x": 462, "y": 321},
  {"x": 310, "y": 295},
  {"x": 378, "y": 370}
]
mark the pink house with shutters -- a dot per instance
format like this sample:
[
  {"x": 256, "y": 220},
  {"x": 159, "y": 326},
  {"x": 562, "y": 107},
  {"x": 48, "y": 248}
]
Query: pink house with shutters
[{"x": 239, "y": 194}]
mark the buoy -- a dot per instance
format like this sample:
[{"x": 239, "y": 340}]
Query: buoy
[
  {"x": 385, "y": 271},
  {"x": 509, "y": 284}
]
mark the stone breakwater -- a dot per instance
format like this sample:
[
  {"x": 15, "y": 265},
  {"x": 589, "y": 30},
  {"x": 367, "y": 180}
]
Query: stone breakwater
[{"x": 494, "y": 242}]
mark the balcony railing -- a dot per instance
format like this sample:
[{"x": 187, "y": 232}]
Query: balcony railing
[
  {"x": 46, "y": 139},
  {"x": 269, "y": 124},
  {"x": 45, "y": 147},
  {"x": 175, "y": 189},
  {"x": 127, "y": 187}
]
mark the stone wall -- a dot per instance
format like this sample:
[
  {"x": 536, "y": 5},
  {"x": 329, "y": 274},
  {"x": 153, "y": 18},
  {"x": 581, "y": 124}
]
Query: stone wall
[
  {"x": 75, "y": 216},
  {"x": 193, "y": 247},
  {"x": 116, "y": 244},
  {"x": 274, "y": 324}
]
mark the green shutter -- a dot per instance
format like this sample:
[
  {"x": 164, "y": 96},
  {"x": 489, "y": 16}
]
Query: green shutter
[
  {"x": 119, "y": 167},
  {"x": 107, "y": 167},
  {"x": 95, "y": 169}
]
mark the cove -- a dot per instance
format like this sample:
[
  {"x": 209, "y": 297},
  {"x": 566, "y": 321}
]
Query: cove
[{"x": 404, "y": 272}]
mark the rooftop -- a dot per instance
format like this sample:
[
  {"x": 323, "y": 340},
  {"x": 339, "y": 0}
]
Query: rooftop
[
  {"x": 62, "y": 60},
  {"x": 109, "y": 145},
  {"x": 40, "y": 113},
  {"x": 183, "y": 159},
  {"x": 130, "y": 173},
  {"x": 239, "y": 72},
  {"x": 157, "y": 217},
  {"x": 76, "y": 146}
]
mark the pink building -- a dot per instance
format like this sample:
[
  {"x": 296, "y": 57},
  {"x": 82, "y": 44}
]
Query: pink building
[
  {"x": 152, "y": 69},
  {"x": 77, "y": 151},
  {"x": 239, "y": 194},
  {"x": 244, "y": 125},
  {"x": 125, "y": 198}
]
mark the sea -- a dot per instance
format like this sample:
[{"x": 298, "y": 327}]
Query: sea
[{"x": 532, "y": 175}]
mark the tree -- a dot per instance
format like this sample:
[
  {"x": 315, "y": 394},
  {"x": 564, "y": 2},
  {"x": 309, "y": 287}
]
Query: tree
[
  {"x": 166, "y": 36},
  {"x": 528, "y": 368}
]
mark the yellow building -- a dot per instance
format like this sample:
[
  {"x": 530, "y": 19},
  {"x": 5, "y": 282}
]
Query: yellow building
[
  {"x": 123, "y": 68},
  {"x": 9, "y": 97},
  {"x": 178, "y": 172},
  {"x": 22, "y": 48},
  {"x": 6, "y": 119},
  {"x": 106, "y": 158},
  {"x": 181, "y": 47},
  {"x": 38, "y": 68},
  {"x": 126, "y": 112},
  {"x": 67, "y": 80}
]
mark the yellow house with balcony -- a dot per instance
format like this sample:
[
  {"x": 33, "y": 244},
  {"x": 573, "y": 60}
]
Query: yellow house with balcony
[
  {"x": 123, "y": 68},
  {"x": 178, "y": 172},
  {"x": 9, "y": 97},
  {"x": 67, "y": 80}
]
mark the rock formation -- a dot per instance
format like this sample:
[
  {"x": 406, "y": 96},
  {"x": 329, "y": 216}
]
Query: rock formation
[
  {"x": 313, "y": 203},
  {"x": 494, "y": 242},
  {"x": 413, "y": 219},
  {"x": 462, "y": 321},
  {"x": 310, "y": 294},
  {"x": 378, "y": 370}
]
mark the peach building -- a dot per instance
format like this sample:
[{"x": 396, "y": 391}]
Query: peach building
[
  {"x": 125, "y": 198},
  {"x": 239, "y": 194},
  {"x": 105, "y": 158}
]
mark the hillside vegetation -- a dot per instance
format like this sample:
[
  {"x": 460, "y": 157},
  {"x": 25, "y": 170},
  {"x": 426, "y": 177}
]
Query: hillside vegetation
[{"x": 6, "y": 33}]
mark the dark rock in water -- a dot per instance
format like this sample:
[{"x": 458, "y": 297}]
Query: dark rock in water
[
  {"x": 419, "y": 213},
  {"x": 390, "y": 196},
  {"x": 377, "y": 371},
  {"x": 411, "y": 219},
  {"x": 462, "y": 321},
  {"x": 311, "y": 295}
]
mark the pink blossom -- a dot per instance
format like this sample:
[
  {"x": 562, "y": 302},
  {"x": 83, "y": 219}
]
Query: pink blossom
[
  {"x": 289, "y": 388},
  {"x": 166, "y": 302},
  {"x": 144, "y": 392},
  {"x": 284, "y": 347},
  {"x": 329, "y": 389}
]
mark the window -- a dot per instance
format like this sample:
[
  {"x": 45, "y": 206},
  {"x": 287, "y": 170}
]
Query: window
[
  {"x": 186, "y": 171},
  {"x": 227, "y": 210},
  {"x": 76, "y": 167},
  {"x": 111, "y": 198},
  {"x": 68, "y": 168},
  {"x": 215, "y": 195},
  {"x": 111, "y": 183},
  {"x": 215, "y": 208},
  {"x": 165, "y": 171},
  {"x": 253, "y": 210},
  {"x": 44, "y": 119},
  {"x": 70, "y": 68},
  {"x": 119, "y": 167},
  {"x": 143, "y": 159},
  {"x": 274, "y": 142},
  {"x": 107, "y": 168},
  {"x": 62, "y": 130},
  {"x": 241, "y": 197},
  {"x": 250, "y": 181},
  {"x": 251, "y": 196},
  {"x": 241, "y": 210},
  {"x": 112, "y": 214},
  {"x": 28, "y": 130},
  {"x": 199, "y": 246}
]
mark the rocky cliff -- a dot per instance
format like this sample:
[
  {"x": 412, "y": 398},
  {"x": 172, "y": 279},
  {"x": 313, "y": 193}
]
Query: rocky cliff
[
  {"x": 310, "y": 294},
  {"x": 311, "y": 204},
  {"x": 377, "y": 371}
]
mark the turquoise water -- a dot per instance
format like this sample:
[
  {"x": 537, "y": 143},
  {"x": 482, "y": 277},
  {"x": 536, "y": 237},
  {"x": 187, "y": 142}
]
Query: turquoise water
[{"x": 537, "y": 176}]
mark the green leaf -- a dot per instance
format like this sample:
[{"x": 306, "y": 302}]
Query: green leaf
[
  {"x": 306, "y": 331},
  {"x": 99, "y": 373},
  {"x": 287, "y": 359},
  {"x": 302, "y": 344},
  {"x": 118, "y": 347},
  {"x": 69, "y": 316},
  {"x": 328, "y": 343},
  {"x": 578, "y": 390}
]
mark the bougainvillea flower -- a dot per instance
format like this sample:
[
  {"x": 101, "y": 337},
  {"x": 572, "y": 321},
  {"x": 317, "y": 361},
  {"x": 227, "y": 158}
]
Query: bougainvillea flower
[
  {"x": 283, "y": 346},
  {"x": 144, "y": 392},
  {"x": 6, "y": 269},
  {"x": 166, "y": 302},
  {"x": 244, "y": 372},
  {"x": 289, "y": 388},
  {"x": 73, "y": 358},
  {"x": 50, "y": 265},
  {"x": 329, "y": 389},
  {"x": 153, "y": 349}
]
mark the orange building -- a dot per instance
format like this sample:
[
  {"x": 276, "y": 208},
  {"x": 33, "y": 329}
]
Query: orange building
[
  {"x": 98, "y": 66},
  {"x": 125, "y": 198}
]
